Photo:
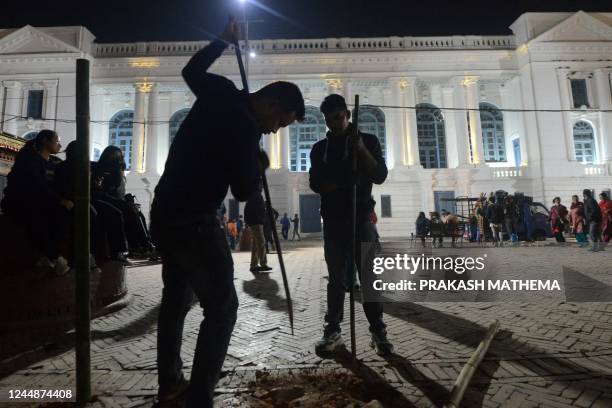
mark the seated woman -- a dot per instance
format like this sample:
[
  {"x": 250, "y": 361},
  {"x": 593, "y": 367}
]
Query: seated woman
[
  {"x": 30, "y": 201},
  {"x": 106, "y": 223},
  {"x": 422, "y": 227},
  {"x": 108, "y": 188}
]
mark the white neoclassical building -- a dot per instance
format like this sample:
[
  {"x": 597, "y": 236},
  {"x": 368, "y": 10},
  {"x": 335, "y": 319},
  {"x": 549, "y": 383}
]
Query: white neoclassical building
[{"x": 456, "y": 115}]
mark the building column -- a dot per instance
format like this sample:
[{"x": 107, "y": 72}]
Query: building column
[
  {"x": 283, "y": 148},
  {"x": 394, "y": 131},
  {"x": 411, "y": 136},
  {"x": 604, "y": 101},
  {"x": 471, "y": 85},
  {"x": 152, "y": 135},
  {"x": 347, "y": 94},
  {"x": 138, "y": 133},
  {"x": 461, "y": 124},
  {"x": 452, "y": 142},
  {"x": 566, "y": 102},
  {"x": 12, "y": 109}
]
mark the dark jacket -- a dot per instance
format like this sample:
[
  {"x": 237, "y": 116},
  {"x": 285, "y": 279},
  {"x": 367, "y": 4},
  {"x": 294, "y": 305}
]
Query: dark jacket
[
  {"x": 255, "y": 210},
  {"x": 592, "y": 212},
  {"x": 495, "y": 213},
  {"x": 108, "y": 179},
  {"x": 216, "y": 146},
  {"x": 28, "y": 186},
  {"x": 329, "y": 161},
  {"x": 511, "y": 210},
  {"x": 422, "y": 226}
]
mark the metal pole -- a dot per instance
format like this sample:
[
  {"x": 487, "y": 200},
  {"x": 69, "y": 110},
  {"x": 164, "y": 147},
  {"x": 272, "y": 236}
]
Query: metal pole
[
  {"x": 246, "y": 41},
  {"x": 353, "y": 231},
  {"x": 81, "y": 235},
  {"x": 264, "y": 180},
  {"x": 3, "y": 109}
]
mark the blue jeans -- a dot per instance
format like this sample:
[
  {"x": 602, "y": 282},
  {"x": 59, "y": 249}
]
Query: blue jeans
[
  {"x": 337, "y": 240},
  {"x": 196, "y": 260}
]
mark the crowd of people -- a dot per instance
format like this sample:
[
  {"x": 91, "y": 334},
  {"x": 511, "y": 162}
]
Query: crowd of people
[
  {"x": 585, "y": 220},
  {"x": 40, "y": 196},
  {"x": 501, "y": 217}
]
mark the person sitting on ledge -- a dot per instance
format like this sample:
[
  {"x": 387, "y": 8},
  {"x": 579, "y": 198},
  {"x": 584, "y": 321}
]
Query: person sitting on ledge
[
  {"x": 109, "y": 188},
  {"x": 30, "y": 201}
]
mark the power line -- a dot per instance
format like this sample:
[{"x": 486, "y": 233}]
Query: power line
[{"x": 419, "y": 108}]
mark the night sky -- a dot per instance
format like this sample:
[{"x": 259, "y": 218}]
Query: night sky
[{"x": 175, "y": 20}]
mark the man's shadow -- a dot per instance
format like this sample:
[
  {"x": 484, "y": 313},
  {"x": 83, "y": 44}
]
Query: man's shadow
[
  {"x": 377, "y": 387},
  {"x": 262, "y": 286}
]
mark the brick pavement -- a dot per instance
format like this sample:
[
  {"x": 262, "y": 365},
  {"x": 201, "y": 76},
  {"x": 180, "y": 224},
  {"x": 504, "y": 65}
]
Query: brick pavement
[{"x": 548, "y": 353}]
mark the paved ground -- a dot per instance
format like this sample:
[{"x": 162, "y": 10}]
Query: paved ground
[{"x": 548, "y": 353}]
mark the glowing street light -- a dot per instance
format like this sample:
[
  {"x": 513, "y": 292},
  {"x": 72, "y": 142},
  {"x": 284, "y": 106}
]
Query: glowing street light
[{"x": 252, "y": 54}]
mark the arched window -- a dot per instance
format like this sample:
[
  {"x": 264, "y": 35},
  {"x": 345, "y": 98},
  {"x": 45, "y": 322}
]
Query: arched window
[
  {"x": 431, "y": 136},
  {"x": 372, "y": 120},
  {"x": 29, "y": 135},
  {"x": 493, "y": 140},
  {"x": 584, "y": 142},
  {"x": 175, "y": 123},
  {"x": 120, "y": 131},
  {"x": 302, "y": 136}
]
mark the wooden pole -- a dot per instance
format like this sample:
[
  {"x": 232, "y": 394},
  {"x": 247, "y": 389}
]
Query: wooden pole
[
  {"x": 81, "y": 235},
  {"x": 354, "y": 242},
  {"x": 466, "y": 374}
]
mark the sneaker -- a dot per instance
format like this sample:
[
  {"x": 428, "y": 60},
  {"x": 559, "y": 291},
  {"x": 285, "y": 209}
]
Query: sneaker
[
  {"x": 329, "y": 343},
  {"x": 61, "y": 266},
  {"x": 264, "y": 268},
  {"x": 254, "y": 269},
  {"x": 173, "y": 393},
  {"x": 381, "y": 344}
]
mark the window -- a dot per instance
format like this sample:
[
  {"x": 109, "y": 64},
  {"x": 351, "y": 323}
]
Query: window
[
  {"x": 584, "y": 142},
  {"x": 120, "y": 131},
  {"x": 579, "y": 92},
  {"x": 385, "y": 206},
  {"x": 30, "y": 135},
  {"x": 372, "y": 120},
  {"x": 494, "y": 142},
  {"x": 175, "y": 123},
  {"x": 302, "y": 136},
  {"x": 35, "y": 104},
  {"x": 431, "y": 136}
]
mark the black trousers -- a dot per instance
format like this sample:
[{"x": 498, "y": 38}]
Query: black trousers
[
  {"x": 109, "y": 226},
  {"x": 337, "y": 247},
  {"x": 195, "y": 260},
  {"x": 46, "y": 226}
]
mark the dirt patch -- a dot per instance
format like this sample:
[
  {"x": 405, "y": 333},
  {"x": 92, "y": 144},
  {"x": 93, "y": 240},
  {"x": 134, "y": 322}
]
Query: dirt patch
[{"x": 316, "y": 390}]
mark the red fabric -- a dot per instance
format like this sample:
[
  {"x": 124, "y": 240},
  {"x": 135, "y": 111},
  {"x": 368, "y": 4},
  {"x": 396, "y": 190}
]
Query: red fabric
[{"x": 373, "y": 217}]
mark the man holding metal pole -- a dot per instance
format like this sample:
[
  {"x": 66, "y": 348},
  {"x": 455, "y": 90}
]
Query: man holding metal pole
[
  {"x": 195, "y": 255},
  {"x": 331, "y": 175}
]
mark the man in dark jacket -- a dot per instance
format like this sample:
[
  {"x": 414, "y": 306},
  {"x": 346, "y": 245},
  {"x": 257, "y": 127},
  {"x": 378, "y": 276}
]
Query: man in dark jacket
[
  {"x": 592, "y": 216},
  {"x": 331, "y": 176},
  {"x": 255, "y": 217},
  {"x": 495, "y": 216},
  {"x": 511, "y": 216},
  {"x": 194, "y": 250}
]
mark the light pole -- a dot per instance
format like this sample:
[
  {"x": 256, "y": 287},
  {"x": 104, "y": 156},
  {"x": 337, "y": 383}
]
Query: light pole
[{"x": 247, "y": 51}]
